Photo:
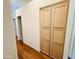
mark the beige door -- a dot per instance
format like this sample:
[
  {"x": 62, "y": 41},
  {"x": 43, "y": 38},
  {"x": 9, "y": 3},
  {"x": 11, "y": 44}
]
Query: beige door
[
  {"x": 59, "y": 19},
  {"x": 45, "y": 29}
]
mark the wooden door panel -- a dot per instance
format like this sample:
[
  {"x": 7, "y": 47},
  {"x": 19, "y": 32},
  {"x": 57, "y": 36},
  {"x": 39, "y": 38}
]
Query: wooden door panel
[
  {"x": 58, "y": 27},
  {"x": 45, "y": 40},
  {"x": 46, "y": 34},
  {"x": 46, "y": 47},
  {"x": 45, "y": 29},
  {"x": 60, "y": 15},
  {"x": 59, "y": 36},
  {"x": 46, "y": 17},
  {"x": 46, "y": 21},
  {"x": 57, "y": 51}
]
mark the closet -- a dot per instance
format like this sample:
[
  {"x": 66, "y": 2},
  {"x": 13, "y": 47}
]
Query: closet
[{"x": 53, "y": 21}]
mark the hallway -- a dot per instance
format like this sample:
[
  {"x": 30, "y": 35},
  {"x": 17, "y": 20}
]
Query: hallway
[{"x": 25, "y": 52}]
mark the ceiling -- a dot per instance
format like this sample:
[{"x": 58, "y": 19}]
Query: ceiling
[
  {"x": 19, "y": 3},
  {"x": 15, "y": 4}
]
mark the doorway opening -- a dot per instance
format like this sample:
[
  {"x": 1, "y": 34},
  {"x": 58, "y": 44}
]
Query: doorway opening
[{"x": 20, "y": 28}]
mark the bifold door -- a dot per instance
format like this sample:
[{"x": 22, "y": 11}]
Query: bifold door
[
  {"x": 45, "y": 30},
  {"x": 53, "y": 28},
  {"x": 59, "y": 20}
]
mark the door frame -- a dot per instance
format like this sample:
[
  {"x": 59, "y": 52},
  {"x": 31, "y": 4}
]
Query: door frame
[{"x": 70, "y": 23}]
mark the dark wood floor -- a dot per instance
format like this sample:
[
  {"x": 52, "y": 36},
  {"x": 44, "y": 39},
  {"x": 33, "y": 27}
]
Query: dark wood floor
[{"x": 25, "y": 52}]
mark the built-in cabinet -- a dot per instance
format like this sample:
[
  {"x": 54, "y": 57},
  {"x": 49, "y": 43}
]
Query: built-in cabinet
[{"x": 53, "y": 21}]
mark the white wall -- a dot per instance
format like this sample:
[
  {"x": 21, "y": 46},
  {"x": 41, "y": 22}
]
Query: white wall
[
  {"x": 14, "y": 23},
  {"x": 30, "y": 21},
  {"x": 70, "y": 23},
  {"x": 72, "y": 41},
  {"x": 31, "y": 27},
  {"x": 9, "y": 41}
]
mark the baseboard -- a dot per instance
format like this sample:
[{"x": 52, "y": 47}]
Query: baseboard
[
  {"x": 69, "y": 57},
  {"x": 46, "y": 55},
  {"x": 30, "y": 47},
  {"x": 36, "y": 50}
]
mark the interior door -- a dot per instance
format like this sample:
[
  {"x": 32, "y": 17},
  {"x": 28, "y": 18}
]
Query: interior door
[
  {"x": 45, "y": 14},
  {"x": 59, "y": 20}
]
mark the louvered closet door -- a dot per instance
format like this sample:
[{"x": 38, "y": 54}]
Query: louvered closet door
[
  {"x": 59, "y": 20},
  {"x": 45, "y": 14}
]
